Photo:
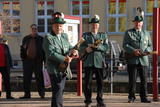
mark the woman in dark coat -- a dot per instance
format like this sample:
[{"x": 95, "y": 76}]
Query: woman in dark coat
[{"x": 5, "y": 65}]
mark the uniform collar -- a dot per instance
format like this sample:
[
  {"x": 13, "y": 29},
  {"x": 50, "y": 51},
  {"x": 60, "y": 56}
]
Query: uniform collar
[{"x": 138, "y": 30}]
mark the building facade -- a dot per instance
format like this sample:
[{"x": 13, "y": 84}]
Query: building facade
[{"x": 115, "y": 16}]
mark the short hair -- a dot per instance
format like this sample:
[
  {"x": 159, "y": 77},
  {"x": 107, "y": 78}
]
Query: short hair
[{"x": 33, "y": 25}]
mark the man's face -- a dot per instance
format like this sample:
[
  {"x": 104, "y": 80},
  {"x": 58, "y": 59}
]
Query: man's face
[
  {"x": 138, "y": 24},
  {"x": 34, "y": 30},
  {"x": 94, "y": 26},
  {"x": 57, "y": 28}
]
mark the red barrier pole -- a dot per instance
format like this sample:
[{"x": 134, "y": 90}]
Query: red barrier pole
[
  {"x": 79, "y": 79},
  {"x": 79, "y": 64},
  {"x": 79, "y": 68},
  {"x": 155, "y": 48}
]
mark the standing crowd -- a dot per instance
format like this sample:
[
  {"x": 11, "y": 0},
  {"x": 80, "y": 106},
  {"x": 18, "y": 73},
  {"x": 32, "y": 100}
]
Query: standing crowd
[{"x": 55, "y": 51}]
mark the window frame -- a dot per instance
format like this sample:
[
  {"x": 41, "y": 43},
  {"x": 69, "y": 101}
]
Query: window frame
[
  {"x": 11, "y": 17},
  {"x": 117, "y": 16},
  {"x": 81, "y": 9},
  {"x": 148, "y": 14},
  {"x": 45, "y": 16}
]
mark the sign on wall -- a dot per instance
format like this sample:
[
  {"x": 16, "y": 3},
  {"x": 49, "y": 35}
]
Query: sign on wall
[{"x": 71, "y": 28}]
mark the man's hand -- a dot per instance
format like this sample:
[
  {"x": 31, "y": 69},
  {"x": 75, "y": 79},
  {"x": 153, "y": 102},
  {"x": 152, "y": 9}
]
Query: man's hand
[
  {"x": 93, "y": 46},
  {"x": 74, "y": 53},
  {"x": 68, "y": 59},
  {"x": 137, "y": 52},
  {"x": 89, "y": 50}
]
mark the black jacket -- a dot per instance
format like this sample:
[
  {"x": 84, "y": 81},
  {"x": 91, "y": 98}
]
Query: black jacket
[{"x": 25, "y": 42}]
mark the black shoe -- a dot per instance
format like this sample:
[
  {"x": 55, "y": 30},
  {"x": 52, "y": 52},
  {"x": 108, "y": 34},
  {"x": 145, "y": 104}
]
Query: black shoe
[
  {"x": 9, "y": 97},
  {"x": 101, "y": 105},
  {"x": 42, "y": 97},
  {"x": 25, "y": 97},
  {"x": 131, "y": 100},
  {"x": 88, "y": 105},
  {"x": 145, "y": 100}
]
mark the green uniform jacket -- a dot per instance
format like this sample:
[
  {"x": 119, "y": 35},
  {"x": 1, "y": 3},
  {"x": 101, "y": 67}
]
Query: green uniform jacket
[
  {"x": 134, "y": 40},
  {"x": 55, "y": 50},
  {"x": 96, "y": 57}
]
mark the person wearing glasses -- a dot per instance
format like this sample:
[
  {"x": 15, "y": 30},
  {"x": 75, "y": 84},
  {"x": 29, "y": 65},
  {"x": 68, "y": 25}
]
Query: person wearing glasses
[{"x": 33, "y": 56}]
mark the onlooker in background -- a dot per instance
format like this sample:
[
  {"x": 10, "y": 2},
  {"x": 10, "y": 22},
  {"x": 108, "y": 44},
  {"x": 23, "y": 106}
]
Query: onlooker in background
[
  {"x": 5, "y": 65},
  {"x": 33, "y": 56}
]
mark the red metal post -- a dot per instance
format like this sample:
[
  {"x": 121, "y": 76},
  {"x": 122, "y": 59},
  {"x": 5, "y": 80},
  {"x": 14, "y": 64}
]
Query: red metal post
[
  {"x": 79, "y": 65},
  {"x": 155, "y": 48},
  {"x": 79, "y": 76}
]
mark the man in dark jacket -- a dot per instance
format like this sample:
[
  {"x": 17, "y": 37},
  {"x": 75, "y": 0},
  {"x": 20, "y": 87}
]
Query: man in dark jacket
[
  {"x": 32, "y": 55},
  {"x": 5, "y": 65}
]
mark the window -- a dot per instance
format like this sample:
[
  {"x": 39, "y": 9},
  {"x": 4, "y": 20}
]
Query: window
[
  {"x": 44, "y": 11},
  {"x": 81, "y": 8},
  {"x": 10, "y": 16},
  {"x": 149, "y": 5},
  {"x": 116, "y": 16}
]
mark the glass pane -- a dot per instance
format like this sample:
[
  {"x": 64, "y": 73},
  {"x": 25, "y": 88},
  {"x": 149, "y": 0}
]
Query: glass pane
[
  {"x": 149, "y": 6},
  {"x": 112, "y": 24},
  {"x": 75, "y": 7},
  {"x": 1, "y": 8},
  {"x": 16, "y": 25},
  {"x": 6, "y": 25},
  {"x": 85, "y": 26},
  {"x": 6, "y": 8},
  {"x": 85, "y": 7},
  {"x": 112, "y": 6},
  {"x": 49, "y": 25},
  {"x": 122, "y": 24},
  {"x": 122, "y": 7},
  {"x": 50, "y": 8},
  {"x": 41, "y": 23},
  {"x": 16, "y": 9},
  {"x": 159, "y": 3},
  {"x": 40, "y": 10},
  {"x": 149, "y": 23}
]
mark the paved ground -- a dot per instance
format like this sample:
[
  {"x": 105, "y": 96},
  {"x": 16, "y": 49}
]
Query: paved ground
[{"x": 72, "y": 100}]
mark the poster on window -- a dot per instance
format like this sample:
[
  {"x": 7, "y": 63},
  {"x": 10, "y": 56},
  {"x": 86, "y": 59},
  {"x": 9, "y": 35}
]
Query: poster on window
[{"x": 71, "y": 28}]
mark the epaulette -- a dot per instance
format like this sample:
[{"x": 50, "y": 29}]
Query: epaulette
[{"x": 102, "y": 32}]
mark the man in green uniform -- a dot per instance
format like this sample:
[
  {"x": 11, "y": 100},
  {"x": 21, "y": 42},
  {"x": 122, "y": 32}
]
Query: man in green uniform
[
  {"x": 136, "y": 42},
  {"x": 56, "y": 47},
  {"x": 93, "y": 63}
]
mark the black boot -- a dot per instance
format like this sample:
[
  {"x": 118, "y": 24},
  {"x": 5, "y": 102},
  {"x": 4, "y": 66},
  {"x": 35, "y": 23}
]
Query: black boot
[
  {"x": 8, "y": 95},
  {"x": 145, "y": 100},
  {"x": 26, "y": 96}
]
